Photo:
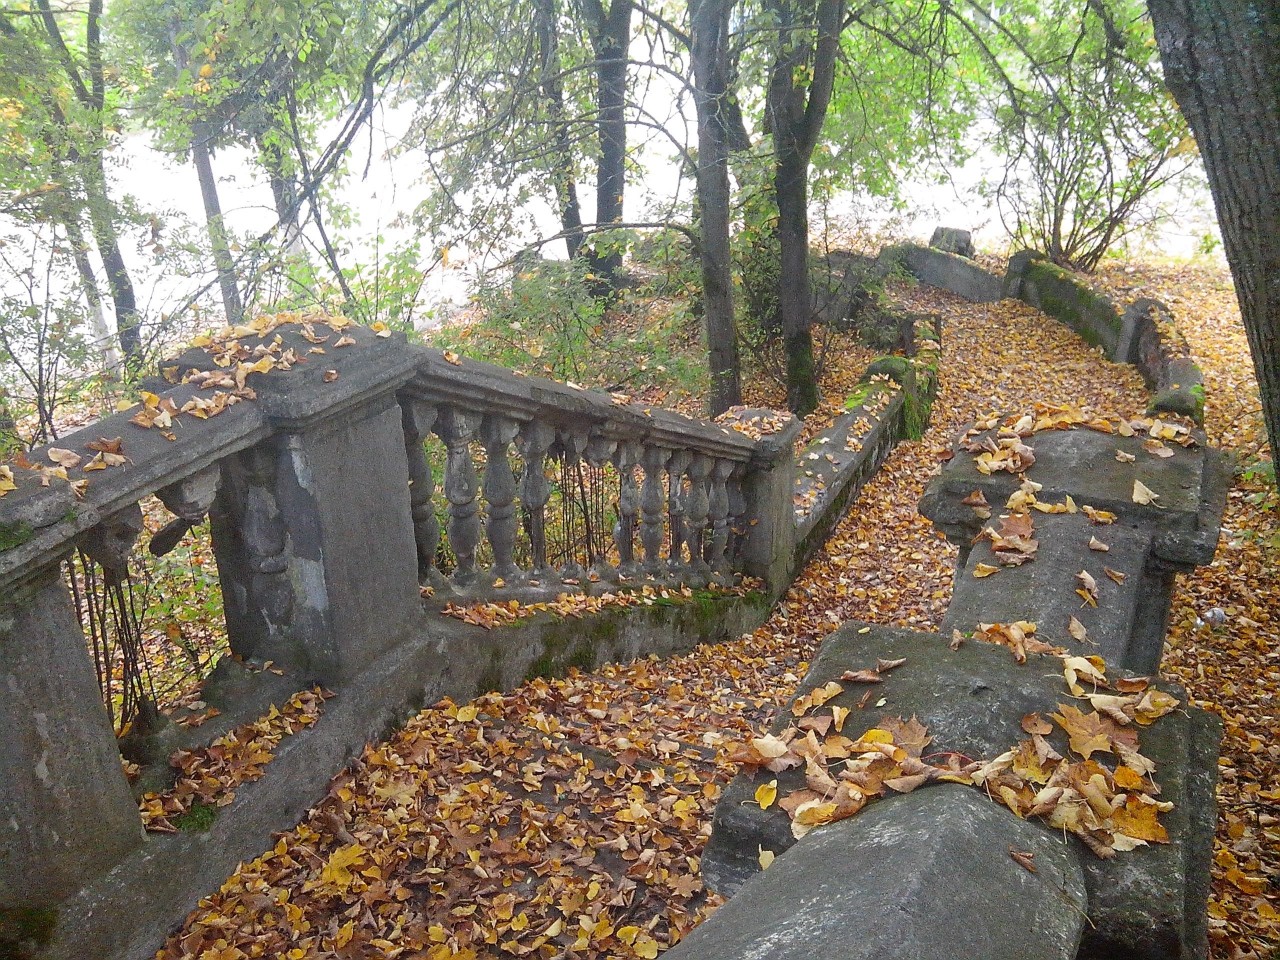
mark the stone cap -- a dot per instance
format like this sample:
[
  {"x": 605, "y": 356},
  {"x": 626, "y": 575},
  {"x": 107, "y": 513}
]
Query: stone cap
[
  {"x": 1184, "y": 521},
  {"x": 314, "y": 384}
]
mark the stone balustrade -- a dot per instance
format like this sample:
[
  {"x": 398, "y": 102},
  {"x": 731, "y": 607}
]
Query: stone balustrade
[{"x": 305, "y": 445}]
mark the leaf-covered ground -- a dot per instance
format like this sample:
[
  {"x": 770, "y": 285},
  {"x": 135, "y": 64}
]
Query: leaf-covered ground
[{"x": 567, "y": 818}]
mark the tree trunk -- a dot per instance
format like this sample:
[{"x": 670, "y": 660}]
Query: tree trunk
[
  {"x": 610, "y": 37},
  {"x": 800, "y": 84},
  {"x": 217, "y": 231},
  {"x": 284, "y": 194},
  {"x": 710, "y": 55},
  {"x": 119, "y": 282},
  {"x": 1220, "y": 61},
  {"x": 553, "y": 92},
  {"x": 93, "y": 296},
  {"x": 795, "y": 298}
]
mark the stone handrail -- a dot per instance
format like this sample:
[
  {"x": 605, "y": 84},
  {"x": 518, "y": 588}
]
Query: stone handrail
[{"x": 303, "y": 444}]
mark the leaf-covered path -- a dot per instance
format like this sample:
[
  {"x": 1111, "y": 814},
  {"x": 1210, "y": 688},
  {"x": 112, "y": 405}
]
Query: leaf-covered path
[{"x": 566, "y": 818}]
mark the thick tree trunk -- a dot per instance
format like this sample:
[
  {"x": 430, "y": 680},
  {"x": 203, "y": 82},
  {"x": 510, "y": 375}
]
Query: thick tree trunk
[
  {"x": 610, "y": 37},
  {"x": 800, "y": 84},
  {"x": 1222, "y": 62},
  {"x": 710, "y": 54},
  {"x": 795, "y": 298},
  {"x": 553, "y": 92}
]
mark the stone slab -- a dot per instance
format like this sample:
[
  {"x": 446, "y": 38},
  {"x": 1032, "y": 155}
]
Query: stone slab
[
  {"x": 1082, "y": 463},
  {"x": 1043, "y": 590},
  {"x": 955, "y": 273},
  {"x": 972, "y": 700},
  {"x": 927, "y": 876}
]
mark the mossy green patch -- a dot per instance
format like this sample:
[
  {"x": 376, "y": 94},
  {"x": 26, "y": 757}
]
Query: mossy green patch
[
  {"x": 25, "y": 929},
  {"x": 14, "y": 535},
  {"x": 199, "y": 819}
]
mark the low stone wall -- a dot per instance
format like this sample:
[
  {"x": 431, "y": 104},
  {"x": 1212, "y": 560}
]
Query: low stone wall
[
  {"x": 1142, "y": 334},
  {"x": 926, "y": 857},
  {"x": 950, "y": 271},
  {"x": 162, "y": 880},
  {"x": 833, "y": 468}
]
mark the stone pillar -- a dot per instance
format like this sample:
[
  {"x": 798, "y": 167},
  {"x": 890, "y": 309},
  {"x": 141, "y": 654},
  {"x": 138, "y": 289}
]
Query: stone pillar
[
  {"x": 769, "y": 518},
  {"x": 66, "y": 815},
  {"x": 313, "y": 528}
]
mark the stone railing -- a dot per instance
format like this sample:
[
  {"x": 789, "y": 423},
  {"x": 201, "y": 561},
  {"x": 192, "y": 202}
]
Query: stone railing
[
  {"x": 946, "y": 841},
  {"x": 304, "y": 445}
]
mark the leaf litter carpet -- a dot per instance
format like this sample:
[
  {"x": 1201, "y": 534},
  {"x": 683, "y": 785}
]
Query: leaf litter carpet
[{"x": 567, "y": 818}]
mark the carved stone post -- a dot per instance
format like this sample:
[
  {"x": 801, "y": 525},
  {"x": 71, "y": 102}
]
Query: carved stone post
[
  {"x": 418, "y": 419},
  {"x": 500, "y": 493},
  {"x": 457, "y": 428},
  {"x": 110, "y": 543},
  {"x": 697, "y": 512},
  {"x": 573, "y": 442},
  {"x": 676, "y": 501},
  {"x": 717, "y": 545},
  {"x": 625, "y": 459},
  {"x": 737, "y": 515},
  {"x": 598, "y": 453},
  {"x": 534, "y": 440},
  {"x": 651, "y": 503}
]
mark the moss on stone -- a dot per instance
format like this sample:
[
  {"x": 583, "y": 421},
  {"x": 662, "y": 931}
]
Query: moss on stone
[
  {"x": 199, "y": 819},
  {"x": 25, "y": 929},
  {"x": 14, "y": 535}
]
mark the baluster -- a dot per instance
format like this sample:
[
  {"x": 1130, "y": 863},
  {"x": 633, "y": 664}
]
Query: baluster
[
  {"x": 598, "y": 453},
  {"x": 676, "y": 499},
  {"x": 456, "y": 428},
  {"x": 110, "y": 543},
  {"x": 500, "y": 493},
  {"x": 697, "y": 509},
  {"x": 534, "y": 440},
  {"x": 651, "y": 502},
  {"x": 626, "y": 458},
  {"x": 573, "y": 443},
  {"x": 418, "y": 420},
  {"x": 737, "y": 515},
  {"x": 716, "y": 554}
]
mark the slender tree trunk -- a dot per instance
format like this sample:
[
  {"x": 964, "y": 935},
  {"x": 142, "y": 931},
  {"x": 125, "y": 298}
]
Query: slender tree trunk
[
  {"x": 1222, "y": 62},
  {"x": 553, "y": 92},
  {"x": 103, "y": 339},
  {"x": 283, "y": 194},
  {"x": 222, "y": 258},
  {"x": 610, "y": 37},
  {"x": 710, "y": 55},
  {"x": 119, "y": 282}
]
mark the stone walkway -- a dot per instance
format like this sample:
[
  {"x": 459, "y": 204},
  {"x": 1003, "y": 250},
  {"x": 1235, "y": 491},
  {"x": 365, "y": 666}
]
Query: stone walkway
[{"x": 567, "y": 818}]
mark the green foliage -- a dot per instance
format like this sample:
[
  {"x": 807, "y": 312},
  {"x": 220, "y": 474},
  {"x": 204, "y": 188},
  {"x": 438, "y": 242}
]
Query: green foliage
[
  {"x": 199, "y": 819},
  {"x": 547, "y": 321},
  {"x": 1083, "y": 122}
]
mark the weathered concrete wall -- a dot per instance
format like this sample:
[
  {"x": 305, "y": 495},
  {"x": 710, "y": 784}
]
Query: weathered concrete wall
[{"x": 949, "y": 271}]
